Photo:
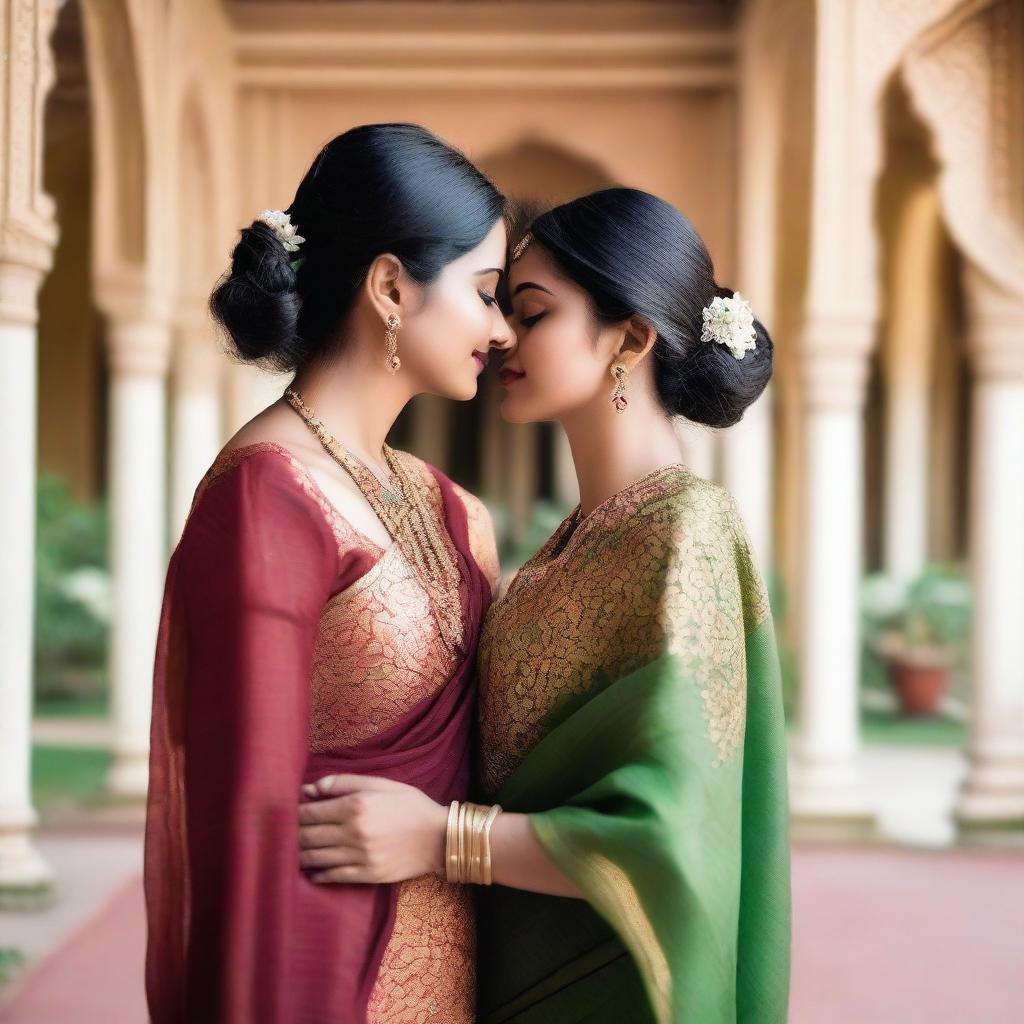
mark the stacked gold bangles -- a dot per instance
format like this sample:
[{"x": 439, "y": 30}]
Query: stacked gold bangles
[{"x": 468, "y": 844}]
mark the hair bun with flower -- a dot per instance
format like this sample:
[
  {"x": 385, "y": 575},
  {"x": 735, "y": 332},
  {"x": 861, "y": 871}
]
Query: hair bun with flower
[
  {"x": 729, "y": 321},
  {"x": 281, "y": 224}
]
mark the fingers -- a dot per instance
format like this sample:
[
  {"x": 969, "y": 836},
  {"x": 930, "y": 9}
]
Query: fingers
[
  {"x": 330, "y": 857},
  {"x": 339, "y": 785},
  {"x": 329, "y": 812},
  {"x": 347, "y": 873},
  {"x": 314, "y": 836}
]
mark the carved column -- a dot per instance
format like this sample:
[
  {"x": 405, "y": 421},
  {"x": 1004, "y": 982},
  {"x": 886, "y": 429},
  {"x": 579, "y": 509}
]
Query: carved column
[
  {"x": 196, "y": 413},
  {"x": 993, "y": 794},
  {"x": 28, "y": 235},
  {"x": 138, "y": 343},
  {"x": 916, "y": 262},
  {"x": 827, "y": 784}
]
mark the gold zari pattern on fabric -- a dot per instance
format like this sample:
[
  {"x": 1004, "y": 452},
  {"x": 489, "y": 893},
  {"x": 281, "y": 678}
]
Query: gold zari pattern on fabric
[
  {"x": 661, "y": 567},
  {"x": 412, "y": 516},
  {"x": 377, "y": 654},
  {"x": 428, "y": 974}
]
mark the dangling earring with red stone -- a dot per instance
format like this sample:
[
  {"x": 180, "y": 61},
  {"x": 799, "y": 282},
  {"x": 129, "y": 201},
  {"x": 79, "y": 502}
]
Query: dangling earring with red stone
[{"x": 621, "y": 375}]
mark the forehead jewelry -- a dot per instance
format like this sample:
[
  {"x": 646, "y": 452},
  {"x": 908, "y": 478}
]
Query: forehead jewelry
[{"x": 521, "y": 246}]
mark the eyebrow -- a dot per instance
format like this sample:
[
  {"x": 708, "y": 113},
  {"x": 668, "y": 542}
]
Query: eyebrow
[
  {"x": 491, "y": 270},
  {"x": 531, "y": 284}
]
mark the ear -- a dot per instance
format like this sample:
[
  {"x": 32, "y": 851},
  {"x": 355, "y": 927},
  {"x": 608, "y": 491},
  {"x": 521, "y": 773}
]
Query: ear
[
  {"x": 383, "y": 281},
  {"x": 638, "y": 338}
]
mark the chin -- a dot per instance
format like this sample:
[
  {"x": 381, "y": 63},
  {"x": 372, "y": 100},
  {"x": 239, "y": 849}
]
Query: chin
[
  {"x": 463, "y": 391},
  {"x": 514, "y": 412}
]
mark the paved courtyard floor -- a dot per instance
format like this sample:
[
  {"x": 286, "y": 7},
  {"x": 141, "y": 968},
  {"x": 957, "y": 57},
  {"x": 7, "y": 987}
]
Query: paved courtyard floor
[{"x": 913, "y": 932}]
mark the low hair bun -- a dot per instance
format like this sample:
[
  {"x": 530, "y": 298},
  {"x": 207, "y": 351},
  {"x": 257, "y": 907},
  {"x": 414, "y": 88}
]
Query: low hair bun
[
  {"x": 377, "y": 188},
  {"x": 636, "y": 254},
  {"x": 709, "y": 385},
  {"x": 257, "y": 303}
]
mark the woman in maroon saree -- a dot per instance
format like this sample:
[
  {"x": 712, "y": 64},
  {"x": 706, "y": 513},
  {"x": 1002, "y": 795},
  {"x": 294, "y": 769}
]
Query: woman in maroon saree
[{"x": 293, "y": 644}]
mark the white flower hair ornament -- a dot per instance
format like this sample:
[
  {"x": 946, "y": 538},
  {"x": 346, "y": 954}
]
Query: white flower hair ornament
[
  {"x": 730, "y": 322},
  {"x": 281, "y": 224}
]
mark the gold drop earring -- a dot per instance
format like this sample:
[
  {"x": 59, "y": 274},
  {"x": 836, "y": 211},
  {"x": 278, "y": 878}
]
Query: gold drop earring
[
  {"x": 394, "y": 321},
  {"x": 621, "y": 375}
]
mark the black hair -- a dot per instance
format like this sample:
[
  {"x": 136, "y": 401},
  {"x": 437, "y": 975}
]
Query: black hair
[
  {"x": 635, "y": 254},
  {"x": 378, "y": 188}
]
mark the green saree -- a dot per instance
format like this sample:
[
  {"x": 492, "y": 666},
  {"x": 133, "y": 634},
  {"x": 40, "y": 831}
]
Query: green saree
[{"x": 630, "y": 703}]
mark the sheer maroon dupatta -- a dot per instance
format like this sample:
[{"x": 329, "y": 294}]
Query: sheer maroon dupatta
[{"x": 237, "y": 933}]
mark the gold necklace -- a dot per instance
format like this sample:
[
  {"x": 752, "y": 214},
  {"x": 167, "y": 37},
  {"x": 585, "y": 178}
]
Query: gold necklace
[
  {"x": 356, "y": 467},
  {"x": 406, "y": 516}
]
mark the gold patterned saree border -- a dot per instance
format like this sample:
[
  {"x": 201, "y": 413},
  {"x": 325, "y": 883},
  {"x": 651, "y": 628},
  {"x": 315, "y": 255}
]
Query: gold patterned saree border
[{"x": 611, "y": 892}]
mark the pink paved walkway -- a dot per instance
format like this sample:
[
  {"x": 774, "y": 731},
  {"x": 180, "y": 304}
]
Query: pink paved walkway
[
  {"x": 96, "y": 976},
  {"x": 881, "y": 936}
]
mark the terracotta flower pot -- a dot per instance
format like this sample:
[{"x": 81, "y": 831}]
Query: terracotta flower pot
[{"x": 920, "y": 684}]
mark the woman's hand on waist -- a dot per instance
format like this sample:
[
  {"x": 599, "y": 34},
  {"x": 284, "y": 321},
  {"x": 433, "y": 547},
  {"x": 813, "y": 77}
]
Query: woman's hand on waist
[{"x": 361, "y": 828}]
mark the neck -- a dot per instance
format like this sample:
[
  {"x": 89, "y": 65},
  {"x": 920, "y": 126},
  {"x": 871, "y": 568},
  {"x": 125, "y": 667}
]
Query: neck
[
  {"x": 357, "y": 402},
  {"x": 612, "y": 450}
]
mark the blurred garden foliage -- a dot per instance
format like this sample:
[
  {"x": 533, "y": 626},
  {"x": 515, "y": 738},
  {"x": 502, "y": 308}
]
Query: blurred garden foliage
[{"x": 72, "y": 596}]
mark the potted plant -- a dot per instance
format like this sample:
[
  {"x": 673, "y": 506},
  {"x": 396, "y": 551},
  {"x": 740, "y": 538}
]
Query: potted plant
[{"x": 918, "y": 630}]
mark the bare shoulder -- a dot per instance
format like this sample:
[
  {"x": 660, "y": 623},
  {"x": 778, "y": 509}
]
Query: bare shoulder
[
  {"x": 482, "y": 540},
  {"x": 278, "y": 425}
]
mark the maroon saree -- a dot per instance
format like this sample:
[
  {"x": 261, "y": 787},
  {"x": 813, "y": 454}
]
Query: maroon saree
[{"x": 237, "y": 933}]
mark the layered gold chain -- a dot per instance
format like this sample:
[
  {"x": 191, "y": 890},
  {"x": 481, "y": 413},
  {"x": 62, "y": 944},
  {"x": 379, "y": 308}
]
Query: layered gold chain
[{"x": 407, "y": 516}]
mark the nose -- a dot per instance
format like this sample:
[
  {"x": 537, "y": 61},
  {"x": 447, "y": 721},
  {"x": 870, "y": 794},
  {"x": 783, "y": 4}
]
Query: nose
[{"x": 504, "y": 337}]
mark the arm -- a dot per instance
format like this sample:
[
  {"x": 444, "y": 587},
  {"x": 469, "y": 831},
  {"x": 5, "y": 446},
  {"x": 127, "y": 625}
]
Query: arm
[
  {"x": 482, "y": 541},
  {"x": 521, "y": 862},
  {"x": 365, "y": 829}
]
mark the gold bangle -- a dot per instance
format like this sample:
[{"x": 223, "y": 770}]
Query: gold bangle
[
  {"x": 485, "y": 871},
  {"x": 471, "y": 864},
  {"x": 462, "y": 843},
  {"x": 476, "y": 857},
  {"x": 451, "y": 853}
]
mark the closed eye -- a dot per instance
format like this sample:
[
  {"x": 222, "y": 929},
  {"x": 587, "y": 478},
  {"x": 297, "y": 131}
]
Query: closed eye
[
  {"x": 489, "y": 300},
  {"x": 529, "y": 321}
]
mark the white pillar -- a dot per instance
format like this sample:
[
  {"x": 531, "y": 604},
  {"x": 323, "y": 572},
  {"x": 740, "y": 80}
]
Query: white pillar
[
  {"x": 747, "y": 474},
  {"x": 916, "y": 263},
  {"x": 28, "y": 234},
  {"x": 139, "y": 350},
  {"x": 826, "y": 782},
  {"x": 993, "y": 793},
  {"x": 196, "y": 414},
  {"x": 698, "y": 447},
  {"x": 21, "y": 866}
]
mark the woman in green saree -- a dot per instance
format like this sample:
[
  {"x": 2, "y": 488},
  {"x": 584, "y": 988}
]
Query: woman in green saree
[{"x": 631, "y": 725}]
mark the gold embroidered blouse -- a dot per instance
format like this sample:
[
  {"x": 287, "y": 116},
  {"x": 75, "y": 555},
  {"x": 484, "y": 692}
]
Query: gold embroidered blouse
[{"x": 651, "y": 570}]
